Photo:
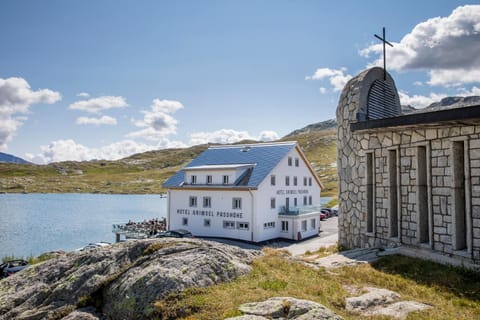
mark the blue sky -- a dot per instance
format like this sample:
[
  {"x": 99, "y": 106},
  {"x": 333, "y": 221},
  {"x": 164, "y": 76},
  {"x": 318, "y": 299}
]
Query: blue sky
[{"x": 105, "y": 79}]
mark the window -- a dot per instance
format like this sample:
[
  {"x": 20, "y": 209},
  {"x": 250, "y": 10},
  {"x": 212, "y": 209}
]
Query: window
[
  {"x": 313, "y": 224},
  {"x": 269, "y": 225},
  {"x": 295, "y": 202},
  {"x": 242, "y": 225},
  {"x": 272, "y": 203},
  {"x": 369, "y": 191},
  {"x": 184, "y": 221},
  {"x": 459, "y": 219},
  {"x": 392, "y": 177},
  {"x": 207, "y": 202},
  {"x": 287, "y": 203},
  {"x": 287, "y": 180},
  {"x": 193, "y": 179},
  {"x": 209, "y": 179},
  {"x": 304, "y": 225},
  {"x": 228, "y": 224},
  {"x": 310, "y": 181},
  {"x": 237, "y": 203},
  {"x": 310, "y": 200},
  {"x": 296, "y": 162},
  {"x": 284, "y": 226},
  {"x": 305, "y": 181},
  {"x": 304, "y": 200},
  {"x": 225, "y": 179},
  {"x": 294, "y": 181},
  {"x": 206, "y": 222},
  {"x": 423, "y": 235},
  {"x": 193, "y": 201},
  {"x": 272, "y": 180},
  {"x": 289, "y": 161}
]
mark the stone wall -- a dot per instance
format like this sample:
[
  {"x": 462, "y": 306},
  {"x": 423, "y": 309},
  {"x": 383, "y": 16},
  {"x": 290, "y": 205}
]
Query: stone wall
[{"x": 415, "y": 165}]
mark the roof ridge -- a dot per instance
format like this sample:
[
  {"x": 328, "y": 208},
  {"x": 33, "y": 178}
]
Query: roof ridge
[{"x": 261, "y": 144}]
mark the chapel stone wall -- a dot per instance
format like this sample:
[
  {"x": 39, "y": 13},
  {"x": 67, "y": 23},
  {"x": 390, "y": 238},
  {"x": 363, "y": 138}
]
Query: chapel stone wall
[{"x": 432, "y": 170}]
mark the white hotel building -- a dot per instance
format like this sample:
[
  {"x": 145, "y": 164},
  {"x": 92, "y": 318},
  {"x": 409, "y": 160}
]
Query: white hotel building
[{"x": 251, "y": 192}]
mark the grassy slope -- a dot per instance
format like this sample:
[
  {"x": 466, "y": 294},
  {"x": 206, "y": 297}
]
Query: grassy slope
[
  {"x": 144, "y": 173},
  {"x": 452, "y": 292}
]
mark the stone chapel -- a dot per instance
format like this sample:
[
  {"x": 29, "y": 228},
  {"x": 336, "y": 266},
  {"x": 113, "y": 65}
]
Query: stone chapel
[{"x": 407, "y": 180}]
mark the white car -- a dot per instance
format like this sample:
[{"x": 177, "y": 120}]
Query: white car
[{"x": 94, "y": 245}]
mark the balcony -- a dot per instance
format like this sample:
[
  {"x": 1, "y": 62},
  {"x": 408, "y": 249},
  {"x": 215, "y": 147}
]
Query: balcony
[{"x": 297, "y": 211}]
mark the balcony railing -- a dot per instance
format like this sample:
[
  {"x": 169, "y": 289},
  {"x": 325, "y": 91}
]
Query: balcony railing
[{"x": 296, "y": 211}]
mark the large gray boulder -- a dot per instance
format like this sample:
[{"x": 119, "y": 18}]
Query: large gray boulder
[
  {"x": 121, "y": 281},
  {"x": 285, "y": 308}
]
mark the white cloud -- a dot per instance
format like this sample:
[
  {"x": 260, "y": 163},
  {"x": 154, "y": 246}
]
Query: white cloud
[
  {"x": 229, "y": 136},
  {"x": 158, "y": 121},
  {"x": 223, "y": 136},
  {"x": 16, "y": 97},
  {"x": 268, "y": 136},
  {"x": 83, "y": 95},
  {"x": 69, "y": 150},
  {"x": 97, "y": 121},
  {"x": 323, "y": 90},
  {"x": 96, "y": 105},
  {"x": 447, "y": 47},
  {"x": 337, "y": 78},
  {"x": 474, "y": 91},
  {"x": 419, "y": 101}
]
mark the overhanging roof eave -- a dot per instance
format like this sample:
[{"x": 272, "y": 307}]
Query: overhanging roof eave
[{"x": 457, "y": 114}]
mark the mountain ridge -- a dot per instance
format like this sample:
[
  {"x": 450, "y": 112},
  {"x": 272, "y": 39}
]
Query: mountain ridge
[{"x": 10, "y": 158}]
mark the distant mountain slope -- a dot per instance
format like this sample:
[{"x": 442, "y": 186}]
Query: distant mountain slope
[
  {"x": 446, "y": 103},
  {"x": 8, "y": 158},
  {"x": 318, "y": 126}
]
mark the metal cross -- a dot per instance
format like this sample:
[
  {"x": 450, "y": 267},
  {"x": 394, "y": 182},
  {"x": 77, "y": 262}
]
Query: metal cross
[{"x": 384, "y": 53}]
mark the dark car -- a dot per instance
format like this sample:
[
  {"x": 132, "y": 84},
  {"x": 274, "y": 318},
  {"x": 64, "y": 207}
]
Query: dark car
[
  {"x": 328, "y": 212},
  {"x": 323, "y": 216},
  {"x": 10, "y": 267},
  {"x": 179, "y": 233}
]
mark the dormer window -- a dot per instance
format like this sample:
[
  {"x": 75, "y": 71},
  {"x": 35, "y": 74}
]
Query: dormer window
[
  {"x": 225, "y": 179},
  {"x": 209, "y": 179},
  {"x": 193, "y": 179},
  {"x": 289, "y": 161},
  {"x": 297, "y": 162}
]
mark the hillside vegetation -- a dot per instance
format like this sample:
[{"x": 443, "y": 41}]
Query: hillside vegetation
[{"x": 144, "y": 173}]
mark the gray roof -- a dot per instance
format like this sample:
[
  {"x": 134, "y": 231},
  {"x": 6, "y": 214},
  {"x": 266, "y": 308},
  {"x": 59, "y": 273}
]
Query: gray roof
[{"x": 264, "y": 156}]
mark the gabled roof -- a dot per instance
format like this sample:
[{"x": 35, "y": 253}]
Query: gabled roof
[{"x": 265, "y": 156}]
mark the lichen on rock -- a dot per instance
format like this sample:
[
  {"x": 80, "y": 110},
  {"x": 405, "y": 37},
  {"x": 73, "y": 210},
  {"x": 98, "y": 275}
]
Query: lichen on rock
[{"x": 121, "y": 281}]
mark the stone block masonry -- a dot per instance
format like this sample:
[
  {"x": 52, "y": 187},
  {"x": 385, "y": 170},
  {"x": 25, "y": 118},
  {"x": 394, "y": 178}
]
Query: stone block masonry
[{"x": 411, "y": 180}]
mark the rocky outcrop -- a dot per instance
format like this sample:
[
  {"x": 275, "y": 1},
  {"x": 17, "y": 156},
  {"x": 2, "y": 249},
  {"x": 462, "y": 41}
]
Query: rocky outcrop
[
  {"x": 118, "y": 282},
  {"x": 381, "y": 302},
  {"x": 285, "y": 308}
]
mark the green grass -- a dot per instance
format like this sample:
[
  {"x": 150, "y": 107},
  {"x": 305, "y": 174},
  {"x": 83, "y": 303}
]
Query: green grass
[{"x": 453, "y": 292}]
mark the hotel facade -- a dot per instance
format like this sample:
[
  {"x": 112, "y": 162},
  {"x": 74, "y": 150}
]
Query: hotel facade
[{"x": 251, "y": 192}]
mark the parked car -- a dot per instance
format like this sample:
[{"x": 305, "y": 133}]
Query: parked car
[
  {"x": 10, "y": 267},
  {"x": 323, "y": 216},
  {"x": 94, "y": 245},
  {"x": 328, "y": 212},
  {"x": 179, "y": 233},
  {"x": 334, "y": 211}
]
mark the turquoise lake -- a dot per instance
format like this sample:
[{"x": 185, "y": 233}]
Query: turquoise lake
[{"x": 31, "y": 224}]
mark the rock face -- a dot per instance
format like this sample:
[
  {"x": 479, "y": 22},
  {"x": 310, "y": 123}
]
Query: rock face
[
  {"x": 285, "y": 308},
  {"x": 121, "y": 281},
  {"x": 382, "y": 302}
]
